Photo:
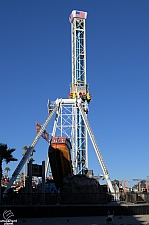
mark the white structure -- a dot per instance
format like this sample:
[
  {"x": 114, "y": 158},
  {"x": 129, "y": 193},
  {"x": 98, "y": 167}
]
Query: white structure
[{"x": 71, "y": 114}]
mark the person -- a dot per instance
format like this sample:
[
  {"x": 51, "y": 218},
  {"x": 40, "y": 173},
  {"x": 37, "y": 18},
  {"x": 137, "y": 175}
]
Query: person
[{"x": 37, "y": 127}]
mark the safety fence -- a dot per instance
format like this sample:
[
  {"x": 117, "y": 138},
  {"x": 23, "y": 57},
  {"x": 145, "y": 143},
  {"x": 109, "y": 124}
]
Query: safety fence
[
  {"x": 138, "y": 197},
  {"x": 72, "y": 198},
  {"x": 50, "y": 199}
]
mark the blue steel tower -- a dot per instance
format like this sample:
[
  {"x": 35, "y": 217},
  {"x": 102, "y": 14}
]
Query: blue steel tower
[
  {"x": 71, "y": 114},
  {"x": 79, "y": 88}
]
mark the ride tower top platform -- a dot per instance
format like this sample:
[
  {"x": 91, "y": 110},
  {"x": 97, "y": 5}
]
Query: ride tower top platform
[{"x": 77, "y": 14}]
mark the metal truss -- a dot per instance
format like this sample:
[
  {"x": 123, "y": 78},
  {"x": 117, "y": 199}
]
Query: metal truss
[{"x": 68, "y": 122}]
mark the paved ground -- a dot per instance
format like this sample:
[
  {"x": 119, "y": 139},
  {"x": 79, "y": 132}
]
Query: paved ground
[{"x": 96, "y": 220}]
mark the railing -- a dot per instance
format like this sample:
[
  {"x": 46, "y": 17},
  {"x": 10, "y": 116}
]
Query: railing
[
  {"x": 75, "y": 198},
  {"x": 50, "y": 199},
  {"x": 139, "y": 197}
]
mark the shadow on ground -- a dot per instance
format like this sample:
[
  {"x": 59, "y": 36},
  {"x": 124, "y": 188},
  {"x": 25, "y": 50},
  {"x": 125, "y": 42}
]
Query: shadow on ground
[{"x": 78, "y": 214}]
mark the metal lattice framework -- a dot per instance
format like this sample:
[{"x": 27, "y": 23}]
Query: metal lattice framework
[
  {"x": 68, "y": 124},
  {"x": 79, "y": 141},
  {"x": 71, "y": 114},
  {"x": 78, "y": 51}
]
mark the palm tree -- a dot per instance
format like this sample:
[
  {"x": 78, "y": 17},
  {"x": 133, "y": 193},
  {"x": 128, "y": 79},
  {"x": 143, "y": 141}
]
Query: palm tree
[
  {"x": 31, "y": 159},
  {"x": 7, "y": 169},
  {"x": 5, "y": 155},
  {"x": 25, "y": 148}
]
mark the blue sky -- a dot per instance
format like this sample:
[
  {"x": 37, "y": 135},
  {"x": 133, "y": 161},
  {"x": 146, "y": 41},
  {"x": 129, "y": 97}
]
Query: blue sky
[{"x": 35, "y": 65}]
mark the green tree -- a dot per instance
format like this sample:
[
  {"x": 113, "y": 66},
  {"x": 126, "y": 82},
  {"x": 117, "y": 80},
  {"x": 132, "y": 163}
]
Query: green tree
[
  {"x": 7, "y": 169},
  {"x": 31, "y": 159},
  {"x": 5, "y": 155},
  {"x": 25, "y": 148},
  {"x": 116, "y": 182}
]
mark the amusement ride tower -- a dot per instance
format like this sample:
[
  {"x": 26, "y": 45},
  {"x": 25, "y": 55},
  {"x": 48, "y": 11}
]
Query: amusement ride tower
[{"x": 71, "y": 113}]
